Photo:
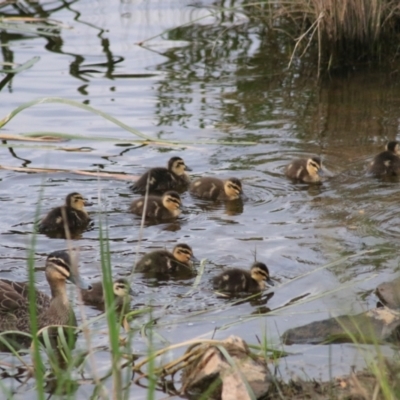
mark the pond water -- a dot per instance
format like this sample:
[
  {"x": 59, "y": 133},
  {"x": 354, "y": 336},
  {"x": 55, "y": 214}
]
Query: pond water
[{"x": 221, "y": 91}]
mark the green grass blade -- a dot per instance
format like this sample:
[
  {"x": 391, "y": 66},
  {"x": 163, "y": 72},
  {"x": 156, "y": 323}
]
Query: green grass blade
[
  {"x": 21, "y": 68},
  {"x": 73, "y": 103}
]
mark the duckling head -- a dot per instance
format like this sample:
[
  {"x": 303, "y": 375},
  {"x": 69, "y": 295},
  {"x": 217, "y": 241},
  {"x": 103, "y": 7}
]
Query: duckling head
[
  {"x": 76, "y": 201},
  {"x": 122, "y": 288},
  {"x": 59, "y": 268},
  {"x": 184, "y": 254},
  {"x": 260, "y": 273},
  {"x": 233, "y": 188},
  {"x": 314, "y": 166},
  {"x": 177, "y": 166},
  {"x": 172, "y": 201},
  {"x": 393, "y": 147}
]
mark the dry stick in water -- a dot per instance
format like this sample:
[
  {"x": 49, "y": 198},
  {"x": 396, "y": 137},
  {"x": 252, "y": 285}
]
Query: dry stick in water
[{"x": 76, "y": 171}]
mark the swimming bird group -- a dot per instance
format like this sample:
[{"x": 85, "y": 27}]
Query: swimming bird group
[{"x": 160, "y": 201}]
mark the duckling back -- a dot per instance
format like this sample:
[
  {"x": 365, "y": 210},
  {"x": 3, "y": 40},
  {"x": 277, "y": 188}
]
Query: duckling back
[
  {"x": 305, "y": 170},
  {"x": 163, "y": 262},
  {"x": 211, "y": 188},
  {"x": 235, "y": 280},
  {"x": 160, "y": 208},
  {"x": 162, "y": 179},
  {"x": 95, "y": 295},
  {"x": 72, "y": 216},
  {"x": 159, "y": 261},
  {"x": 386, "y": 163}
]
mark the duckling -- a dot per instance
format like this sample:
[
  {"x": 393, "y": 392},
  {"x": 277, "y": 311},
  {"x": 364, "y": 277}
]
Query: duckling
[
  {"x": 71, "y": 217},
  {"x": 305, "y": 170},
  {"x": 165, "y": 207},
  {"x": 387, "y": 163},
  {"x": 162, "y": 261},
  {"x": 216, "y": 189},
  {"x": 95, "y": 295},
  {"x": 14, "y": 298},
  {"x": 162, "y": 179},
  {"x": 237, "y": 280}
]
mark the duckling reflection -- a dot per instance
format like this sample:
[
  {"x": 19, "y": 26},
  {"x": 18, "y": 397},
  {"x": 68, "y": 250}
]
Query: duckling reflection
[
  {"x": 386, "y": 163},
  {"x": 158, "y": 208},
  {"x": 161, "y": 263},
  {"x": 94, "y": 296},
  {"x": 160, "y": 179},
  {"x": 237, "y": 280},
  {"x": 232, "y": 207},
  {"x": 69, "y": 219},
  {"x": 305, "y": 170}
]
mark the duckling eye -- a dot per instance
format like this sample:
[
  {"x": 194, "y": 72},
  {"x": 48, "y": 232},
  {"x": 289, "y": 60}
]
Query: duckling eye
[
  {"x": 234, "y": 187},
  {"x": 313, "y": 164}
]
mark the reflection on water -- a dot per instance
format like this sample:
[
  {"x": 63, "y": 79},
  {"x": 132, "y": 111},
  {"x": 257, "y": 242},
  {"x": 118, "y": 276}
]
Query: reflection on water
[
  {"x": 189, "y": 88},
  {"x": 231, "y": 207}
]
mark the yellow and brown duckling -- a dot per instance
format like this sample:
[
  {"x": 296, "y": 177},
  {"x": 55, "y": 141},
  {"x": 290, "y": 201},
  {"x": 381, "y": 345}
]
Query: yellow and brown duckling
[
  {"x": 307, "y": 170},
  {"x": 72, "y": 216},
  {"x": 54, "y": 310},
  {"x": 216, "y": 189},
  {"x": 95, "y": 294},
  {"x": 162, "y": 261},
  {"x": 237, "y": 280},
  {"x": 160, "y": 179},
  {"x": 162, "y": 207},
  {"x": 387, "y": 163}
]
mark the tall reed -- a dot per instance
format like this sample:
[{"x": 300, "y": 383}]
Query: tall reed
[{"x": 343, "y": 30}]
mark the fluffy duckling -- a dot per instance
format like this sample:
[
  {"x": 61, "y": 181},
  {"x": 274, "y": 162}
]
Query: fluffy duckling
[
  {"x": 95, "y": 294},
  {"x": 165, "y": 207},
  {"x": 215, "y": 189},
  {"x": 237, "y": 280},
  {"x": 54, "y": 310},
  {"x": 162, "y": 261},
  {"x": 307, "y": 170},
  {"x": 161, "y": 179},
  {"x": 387, "y": 163},
  {"x": 72, "y": 216}
]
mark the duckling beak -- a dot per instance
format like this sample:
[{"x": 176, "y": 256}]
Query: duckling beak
[
  {"x": 187, "y": 168},
  {"x": 87, "y": 203},
  {"x": 194, "y": 259},
  {"x": 243, "y": 196},
  {"x": 78, "y": 281},
  {"x": 321, "y": 172},
  {"x": 270, "y": 282},
  {"x": 131, "y": 292}
]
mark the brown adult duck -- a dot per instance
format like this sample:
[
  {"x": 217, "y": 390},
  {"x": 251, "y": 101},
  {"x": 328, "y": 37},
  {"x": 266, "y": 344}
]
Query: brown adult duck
[{"x": 54, "y": 310}]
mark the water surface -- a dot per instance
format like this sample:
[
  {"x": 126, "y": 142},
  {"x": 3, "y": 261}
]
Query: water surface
[{"x": 213, "y": 86}]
